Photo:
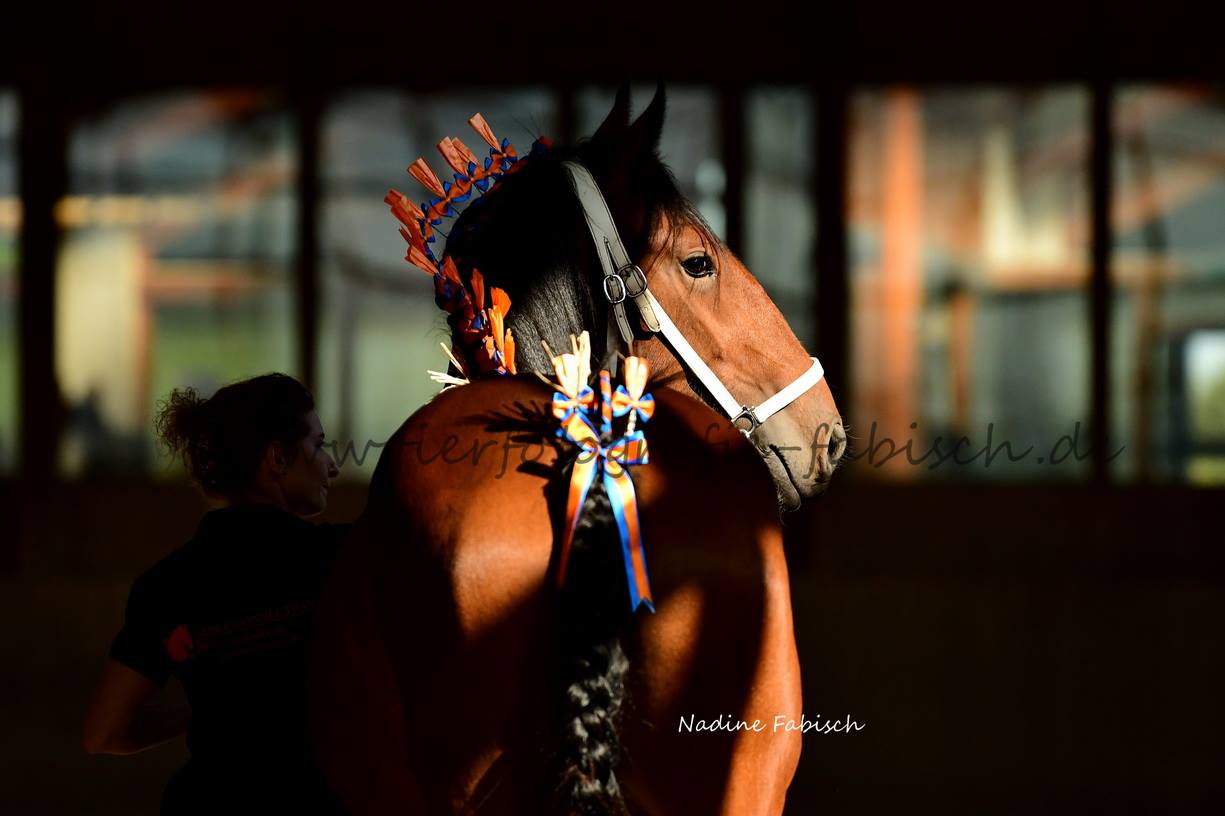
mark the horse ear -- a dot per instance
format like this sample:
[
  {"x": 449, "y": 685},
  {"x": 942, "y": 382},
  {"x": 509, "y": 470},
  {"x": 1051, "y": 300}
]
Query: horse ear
[
  {"x": 617, "y": 121},
  {"x": 644, "y": 134},
  {"x": 618, "y": 148},
  {"x": 619, "y": 162}
]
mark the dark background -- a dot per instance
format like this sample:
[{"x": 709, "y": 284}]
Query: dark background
[{"x": 1011, "y": 648}]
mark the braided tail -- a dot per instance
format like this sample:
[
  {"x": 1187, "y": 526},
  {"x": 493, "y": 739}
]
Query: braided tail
[{"x": 593, "y": 611}]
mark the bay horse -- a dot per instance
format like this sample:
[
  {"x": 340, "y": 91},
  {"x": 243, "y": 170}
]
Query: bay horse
[{"x": 450, "y": 674}]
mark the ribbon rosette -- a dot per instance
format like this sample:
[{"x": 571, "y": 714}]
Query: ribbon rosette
[
  {"x": 629, "y": 397},
  {"x": 572, "y": 392},
  {"x": 611, "y": 463},
  {"x": 564, "y": 405}
]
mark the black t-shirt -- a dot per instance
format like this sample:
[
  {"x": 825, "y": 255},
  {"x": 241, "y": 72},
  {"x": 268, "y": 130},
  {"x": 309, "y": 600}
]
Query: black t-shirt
[{"x": 230, "y": 614}]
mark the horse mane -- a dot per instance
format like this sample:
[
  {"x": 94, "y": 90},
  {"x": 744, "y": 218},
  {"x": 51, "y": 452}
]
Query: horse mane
[{"x": 527, "y": 236}]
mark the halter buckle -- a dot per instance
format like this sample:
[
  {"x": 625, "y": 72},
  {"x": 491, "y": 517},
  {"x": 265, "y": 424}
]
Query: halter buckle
[
  {"x": 632, "y": 273},
  {"x": 619, "y": 297},
  {"x": 746, "y": 413}
]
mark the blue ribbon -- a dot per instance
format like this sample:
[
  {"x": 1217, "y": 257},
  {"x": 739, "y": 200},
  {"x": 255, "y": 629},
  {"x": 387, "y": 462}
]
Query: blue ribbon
[{"x": 620, "y": 490}]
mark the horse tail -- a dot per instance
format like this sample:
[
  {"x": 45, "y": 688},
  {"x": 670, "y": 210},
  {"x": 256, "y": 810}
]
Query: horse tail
[{"x": 593, "y": 664}]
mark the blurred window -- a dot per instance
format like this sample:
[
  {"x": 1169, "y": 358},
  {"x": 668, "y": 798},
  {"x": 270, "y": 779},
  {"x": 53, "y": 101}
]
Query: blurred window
[
  {"x": 969, "y": 252},
  {"x": 380, "y": 328},
  {"x": 10, "y": 223},
  {"x": 174, "y": 269},
  {"x": 780, "y": 211},
  {"x": 968, "y": 215},
  {"x": 1168, "y": 333}
]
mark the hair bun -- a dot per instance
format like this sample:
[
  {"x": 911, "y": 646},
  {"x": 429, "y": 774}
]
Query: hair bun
[{"x": 221, "y": 439}]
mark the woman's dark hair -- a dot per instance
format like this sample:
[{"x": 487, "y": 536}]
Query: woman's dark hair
[{"x": 221, "y": 439}]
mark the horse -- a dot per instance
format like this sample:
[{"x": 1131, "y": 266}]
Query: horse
[{"x": 450, "y": 672}]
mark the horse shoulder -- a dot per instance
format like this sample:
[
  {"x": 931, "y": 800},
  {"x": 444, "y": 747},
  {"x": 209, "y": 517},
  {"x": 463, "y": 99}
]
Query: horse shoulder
[
  {"x": 722, "y": 639},
  {"x": 461, "y": 543},
  {"x": 467, "y": 475},
  {"x": 707, "y": 495}
]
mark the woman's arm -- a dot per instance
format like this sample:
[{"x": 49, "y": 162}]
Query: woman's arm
[{"x": 120, "y": 719}]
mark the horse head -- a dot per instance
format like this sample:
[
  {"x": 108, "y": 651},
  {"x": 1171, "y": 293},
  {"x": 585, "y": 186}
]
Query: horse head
[{"x": 528, "y": 236}]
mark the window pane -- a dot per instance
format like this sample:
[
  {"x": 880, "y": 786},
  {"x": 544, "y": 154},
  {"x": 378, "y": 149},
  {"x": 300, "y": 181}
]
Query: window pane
[
  {"x": 175, "y": 264},
  {"x": 1169, "y": 278},
  {"x": 381, "y": 329},
  {"x": 969, "y": 228},
  {"x": 780, "y": 212},
  {"x": 10, "y": 223},
  {"x": 689, "y": 145}
]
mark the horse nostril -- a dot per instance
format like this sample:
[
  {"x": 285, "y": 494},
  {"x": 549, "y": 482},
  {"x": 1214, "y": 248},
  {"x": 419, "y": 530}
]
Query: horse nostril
[{"x": 837, "y": 444}]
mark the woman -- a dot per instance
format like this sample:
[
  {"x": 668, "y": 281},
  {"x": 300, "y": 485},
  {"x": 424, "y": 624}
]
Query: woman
[{"x": 229, "y": 613}]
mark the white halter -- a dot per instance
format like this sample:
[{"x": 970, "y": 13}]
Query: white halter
[{"x": 623, "y": 278}]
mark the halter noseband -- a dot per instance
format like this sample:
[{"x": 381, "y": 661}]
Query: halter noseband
[{"x": 623, "y": 280}]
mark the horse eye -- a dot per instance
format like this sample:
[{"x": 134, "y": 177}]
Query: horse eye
[{"x": 699, "y": 266}]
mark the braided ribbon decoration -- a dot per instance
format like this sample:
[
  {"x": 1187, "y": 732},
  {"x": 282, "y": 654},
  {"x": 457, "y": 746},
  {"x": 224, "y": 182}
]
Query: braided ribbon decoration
[
  {"x": 421, "y": 225},
  {"x": 574, "y": 406},
  {"x": 482, "y": 328}
]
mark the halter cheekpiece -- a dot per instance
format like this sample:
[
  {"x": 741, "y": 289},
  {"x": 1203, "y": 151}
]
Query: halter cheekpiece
[{"x": 625, "y": 282}]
